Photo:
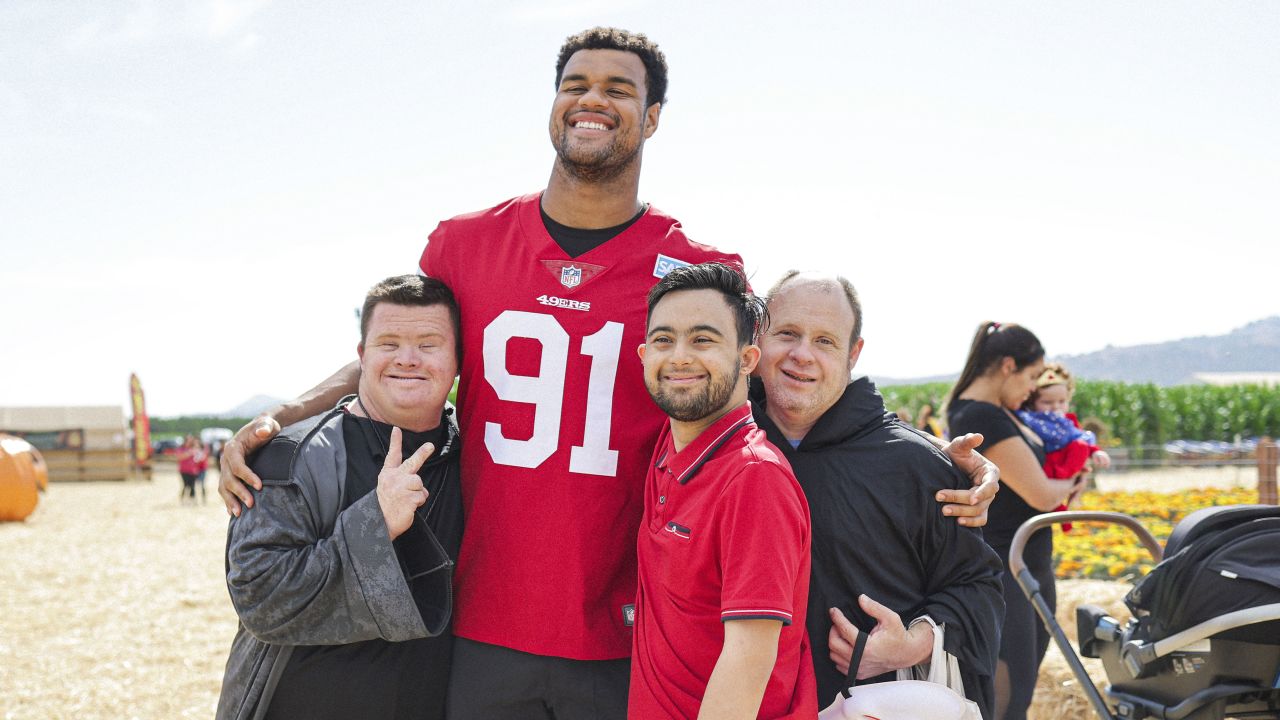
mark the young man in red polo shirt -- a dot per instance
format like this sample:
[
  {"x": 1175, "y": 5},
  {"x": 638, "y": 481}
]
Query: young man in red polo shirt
[{"x": 724, "y": 544}]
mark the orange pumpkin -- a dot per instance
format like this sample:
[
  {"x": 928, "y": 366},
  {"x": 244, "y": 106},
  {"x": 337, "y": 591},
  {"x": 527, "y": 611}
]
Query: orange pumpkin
[{"x": 22, "y": 475}]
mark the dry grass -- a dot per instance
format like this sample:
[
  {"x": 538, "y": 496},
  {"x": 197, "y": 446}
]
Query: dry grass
[
  {"x": 1058, "y": 693},
  {"x": 113, "y": 605}
]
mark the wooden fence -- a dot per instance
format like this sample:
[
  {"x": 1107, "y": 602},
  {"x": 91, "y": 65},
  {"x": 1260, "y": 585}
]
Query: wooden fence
[
  {"x": 1267, "y": 453},
  {"x": 81, "y": 464}
]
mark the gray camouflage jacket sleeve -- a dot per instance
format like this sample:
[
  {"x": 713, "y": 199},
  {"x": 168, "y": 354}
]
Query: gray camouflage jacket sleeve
[{"x": 300, "y": 573}]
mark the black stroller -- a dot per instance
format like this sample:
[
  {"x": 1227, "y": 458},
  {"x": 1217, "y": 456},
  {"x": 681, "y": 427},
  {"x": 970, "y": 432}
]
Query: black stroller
[{"x": 1204, "y": 641}]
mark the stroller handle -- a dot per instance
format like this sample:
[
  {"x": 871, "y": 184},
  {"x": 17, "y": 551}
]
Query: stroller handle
[
  {"x": 1031, "y": 588},
  {"x": 1016, "y": 564}
]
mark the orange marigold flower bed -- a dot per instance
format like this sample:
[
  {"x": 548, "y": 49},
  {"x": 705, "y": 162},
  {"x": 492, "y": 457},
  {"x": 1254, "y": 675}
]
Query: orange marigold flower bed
[{"x": 1109, "y": 552}]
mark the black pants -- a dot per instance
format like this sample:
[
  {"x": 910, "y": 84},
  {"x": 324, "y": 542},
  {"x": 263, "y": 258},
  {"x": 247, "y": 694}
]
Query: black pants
[
  {"x": 189, "y": 485},
  {"x": 1024, "y": 639},
  {"x": 490, "y": 682}
]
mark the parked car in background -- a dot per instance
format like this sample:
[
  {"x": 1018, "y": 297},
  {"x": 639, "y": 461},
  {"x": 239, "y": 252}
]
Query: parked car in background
[
  {"x": 214, "y": 438},
  {"x": 166, "y": 447}
]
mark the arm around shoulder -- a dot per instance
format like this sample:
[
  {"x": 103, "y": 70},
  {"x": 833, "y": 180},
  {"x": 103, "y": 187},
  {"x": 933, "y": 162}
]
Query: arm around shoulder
[{"x": 235, "y": 475}]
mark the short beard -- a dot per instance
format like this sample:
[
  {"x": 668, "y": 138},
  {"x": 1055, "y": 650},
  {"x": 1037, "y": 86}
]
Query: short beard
[
  {"x": 601, "y": 167},
  {"x": 696, "y": 407}
]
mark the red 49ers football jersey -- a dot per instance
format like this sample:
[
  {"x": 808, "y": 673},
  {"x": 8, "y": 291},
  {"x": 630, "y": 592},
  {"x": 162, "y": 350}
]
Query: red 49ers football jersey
[{"x": 557, "y": 425}]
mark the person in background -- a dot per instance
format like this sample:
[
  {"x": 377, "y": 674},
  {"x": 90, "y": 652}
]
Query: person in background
[
  {"x": 927, "y": 423},
  {"x": 1069, "y": 450},
  {"x": 193, "y": 461},
  {"x": 204, "y": 470},
  {"x": 999, "y": 375}
]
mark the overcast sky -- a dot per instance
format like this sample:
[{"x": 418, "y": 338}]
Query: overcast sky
[{"x": 201, "y": 192}]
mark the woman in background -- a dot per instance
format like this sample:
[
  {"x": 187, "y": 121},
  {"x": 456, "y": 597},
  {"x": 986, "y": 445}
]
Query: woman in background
[
  {"x": 999, "y": 375},
  {"x": 193, "y": 460},
  {"x": 926, "y": 422}
]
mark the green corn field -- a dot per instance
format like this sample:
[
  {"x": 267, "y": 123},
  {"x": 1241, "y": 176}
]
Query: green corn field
[{"x": 1142, "y": 414}]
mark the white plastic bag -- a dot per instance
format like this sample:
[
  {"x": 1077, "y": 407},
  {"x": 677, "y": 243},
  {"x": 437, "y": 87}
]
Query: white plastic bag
[
  {"x": 901, "y": 700},
  {"x": 943, "y": 668},
  {"x": 932, "y": 692}
]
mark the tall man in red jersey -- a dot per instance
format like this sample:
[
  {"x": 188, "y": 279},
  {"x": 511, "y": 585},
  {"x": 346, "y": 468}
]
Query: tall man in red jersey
[
  {"x": 559, "y": 427},
  {"x": 724, "y": 545},
  {"x": 556, "y": 425}
]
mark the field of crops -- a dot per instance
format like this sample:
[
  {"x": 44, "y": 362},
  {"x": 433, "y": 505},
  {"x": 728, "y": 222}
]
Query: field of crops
[
  {"x": 1135, "y": 415},
  {"x": 1112, "y": 552}
]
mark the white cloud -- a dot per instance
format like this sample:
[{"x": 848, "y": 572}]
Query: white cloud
[
  {"x": 83, "y": 36},
  {"x": 126, "y": 113},
  {"x": 139, "y": 24},
  {"x": 12, "y": 103},
  {"x": 534, "y": 12},
  {"x": 107, "y": 109},
  {"x": 226, "y": 16},
  {"x": 246, "y": 44}
]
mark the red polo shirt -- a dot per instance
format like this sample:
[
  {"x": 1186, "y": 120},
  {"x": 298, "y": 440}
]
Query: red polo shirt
[{"x": 725, "y": 537}]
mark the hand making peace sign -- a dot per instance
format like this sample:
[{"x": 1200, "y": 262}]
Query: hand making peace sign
[{"x": 400, "y": 490}]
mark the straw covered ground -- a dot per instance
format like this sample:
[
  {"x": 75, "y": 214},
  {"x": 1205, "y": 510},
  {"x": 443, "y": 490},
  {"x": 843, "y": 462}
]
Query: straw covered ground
[{"x": 112, "y": 605}]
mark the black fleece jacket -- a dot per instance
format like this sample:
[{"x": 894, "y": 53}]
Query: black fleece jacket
[{"x": 877, "y": 529}]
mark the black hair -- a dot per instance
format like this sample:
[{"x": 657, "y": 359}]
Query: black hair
[
  {"x": 850, "y": 294},
  {"x": 749, "y": 312},
  {"x": 413, "y": 290},
  {"x": 991, "y": 344},
  {"x": 607, "y": 38}
]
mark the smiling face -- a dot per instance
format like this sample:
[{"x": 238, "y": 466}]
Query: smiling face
[
  {"x": 806, "y": 352},
  {"x": 599, "y": 121},
  {"x": 693, "y": 367},
  {"x": 407, "y": 364}
]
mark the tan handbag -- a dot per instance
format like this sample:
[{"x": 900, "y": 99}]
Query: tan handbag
[{"x": 931, "y": 699}]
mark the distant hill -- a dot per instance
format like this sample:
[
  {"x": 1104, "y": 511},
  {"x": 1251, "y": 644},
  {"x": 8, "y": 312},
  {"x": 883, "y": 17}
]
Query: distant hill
[
  {"x": 251, "y": 407},
  {"x": 1252, "y": 348}
]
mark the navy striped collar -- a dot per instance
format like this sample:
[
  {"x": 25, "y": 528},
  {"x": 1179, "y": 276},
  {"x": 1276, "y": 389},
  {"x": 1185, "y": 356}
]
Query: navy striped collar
[{"x": 686, "y": 463}]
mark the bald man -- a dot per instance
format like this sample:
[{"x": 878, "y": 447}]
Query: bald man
[{"x": 886, "y": 558}]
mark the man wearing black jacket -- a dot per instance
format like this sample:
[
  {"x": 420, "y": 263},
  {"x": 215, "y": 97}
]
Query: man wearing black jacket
[{"x": 872, "y": 482}]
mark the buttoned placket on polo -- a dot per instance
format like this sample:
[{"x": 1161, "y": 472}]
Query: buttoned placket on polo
[
  {"x": 666, "y": 479},
  {"x": 672, "y": 474}
]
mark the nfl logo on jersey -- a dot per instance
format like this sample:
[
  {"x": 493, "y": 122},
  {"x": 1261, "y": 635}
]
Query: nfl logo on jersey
[{"x": 570, "y": 276}]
